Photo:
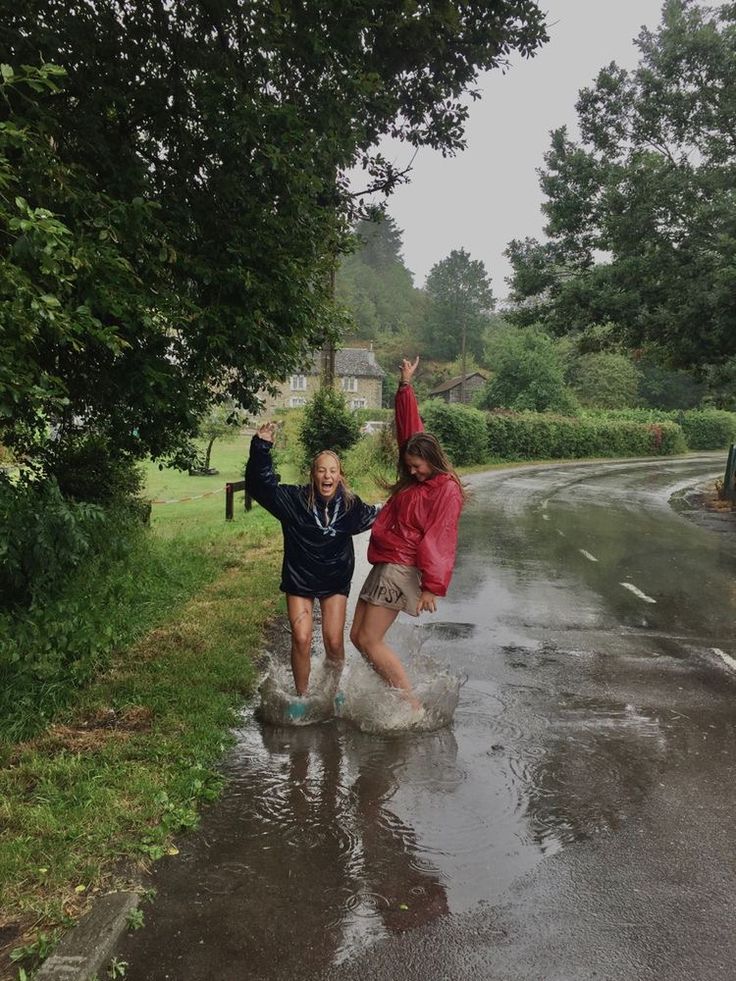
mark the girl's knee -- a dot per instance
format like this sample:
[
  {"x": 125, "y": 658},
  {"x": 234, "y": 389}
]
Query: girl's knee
[
  {"x": 334, "y": 647},
  {"x": 301, "y": 640}
]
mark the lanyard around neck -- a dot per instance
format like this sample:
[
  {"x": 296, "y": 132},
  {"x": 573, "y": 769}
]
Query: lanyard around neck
[{"x": 328, "y": 528}]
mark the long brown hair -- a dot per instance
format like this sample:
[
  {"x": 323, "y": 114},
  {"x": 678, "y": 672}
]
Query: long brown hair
[
  {"x": 427, "y": 447},
  {"x": 347, "y": 495}
]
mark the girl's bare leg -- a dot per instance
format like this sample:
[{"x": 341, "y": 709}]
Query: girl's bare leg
[
  {"x": 334, "y": 609},
  {"x": 370, "y": 625},
  {"x": 300, "y": 617}
]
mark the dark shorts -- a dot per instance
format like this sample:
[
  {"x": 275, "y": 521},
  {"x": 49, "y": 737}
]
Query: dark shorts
[{"x": 397, "y": 587}]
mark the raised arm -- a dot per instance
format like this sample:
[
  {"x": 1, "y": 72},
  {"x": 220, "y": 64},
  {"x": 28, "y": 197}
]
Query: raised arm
[
  {"x": 406, "y": 411},
  {"x": 261, "y": 480}
]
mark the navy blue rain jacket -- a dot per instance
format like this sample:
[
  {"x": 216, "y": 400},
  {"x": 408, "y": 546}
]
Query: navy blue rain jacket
[{"x": 318, "y": 548}]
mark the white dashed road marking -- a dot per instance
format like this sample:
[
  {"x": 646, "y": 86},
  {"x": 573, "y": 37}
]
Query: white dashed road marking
[
  {"x": 637, "y": 592},
  {"x": 726, "y": 658},
  {"x": 587, "y": 555}
]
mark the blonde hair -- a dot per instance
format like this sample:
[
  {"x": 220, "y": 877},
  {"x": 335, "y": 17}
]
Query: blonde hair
[{"x": 347, "y": 495}]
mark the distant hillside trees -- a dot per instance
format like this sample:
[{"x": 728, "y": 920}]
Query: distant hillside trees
[{"x": 375, "y": 285}]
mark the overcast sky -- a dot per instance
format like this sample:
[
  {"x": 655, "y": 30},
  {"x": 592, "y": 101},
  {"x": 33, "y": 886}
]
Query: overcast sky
[{"x": 489, "y": 194}]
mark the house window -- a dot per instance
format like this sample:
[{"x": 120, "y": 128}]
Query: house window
[
  {"x": 296, "y": 403},
  {"x": 298, "y": 383},
  {"x": 350, "y": 384},
  {"x": 358, "y": 404}
]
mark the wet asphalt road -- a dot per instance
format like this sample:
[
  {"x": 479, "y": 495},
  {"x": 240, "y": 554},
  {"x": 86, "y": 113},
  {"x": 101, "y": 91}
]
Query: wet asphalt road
[{"x": 575, "y": 822}]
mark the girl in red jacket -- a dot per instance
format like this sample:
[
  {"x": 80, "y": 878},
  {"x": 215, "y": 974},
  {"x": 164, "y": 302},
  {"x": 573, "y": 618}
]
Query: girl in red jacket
[{"x": 413, "y": 541}]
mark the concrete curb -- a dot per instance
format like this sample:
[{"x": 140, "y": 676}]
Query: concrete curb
[{"x": 84, "y": 951}]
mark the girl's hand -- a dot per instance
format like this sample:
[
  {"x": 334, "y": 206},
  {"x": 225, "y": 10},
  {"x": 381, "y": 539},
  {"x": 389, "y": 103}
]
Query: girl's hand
[
  {"x": 427, "y": 602},
  {"x": 407, "y": 370},
  {"x": 267, "y": 431}
]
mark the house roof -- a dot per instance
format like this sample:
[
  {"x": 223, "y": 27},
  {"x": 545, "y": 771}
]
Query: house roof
[
  {"x": 454, "y": 382},
  {"x": 355, "y": 362}
]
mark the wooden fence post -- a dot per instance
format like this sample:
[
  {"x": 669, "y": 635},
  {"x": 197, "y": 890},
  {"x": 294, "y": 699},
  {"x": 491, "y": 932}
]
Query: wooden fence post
[
  {"x": 729, "y": 481},
  {"x": 230, "y": 489}
]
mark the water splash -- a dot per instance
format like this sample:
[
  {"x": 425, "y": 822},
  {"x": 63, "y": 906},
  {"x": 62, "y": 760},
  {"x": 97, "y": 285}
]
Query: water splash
[
  {"x": 360, "y": 697},
  {"x": 371, "y": 706},
  {"x": 280, "y": 705}
]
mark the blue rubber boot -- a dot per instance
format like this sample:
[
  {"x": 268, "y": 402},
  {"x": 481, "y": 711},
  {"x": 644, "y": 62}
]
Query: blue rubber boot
[
  {"x": 296, "y": 710},
  {"x": 339, "y": 702}
]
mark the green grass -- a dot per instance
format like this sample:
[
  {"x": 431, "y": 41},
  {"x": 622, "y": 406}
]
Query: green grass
[
  {"x": 132, "y": 758},
  {"x": 109, "y": 765},
  {"x": 193, "y": 518}
]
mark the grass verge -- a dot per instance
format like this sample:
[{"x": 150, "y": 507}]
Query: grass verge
[{"x": 126, "y": 758}]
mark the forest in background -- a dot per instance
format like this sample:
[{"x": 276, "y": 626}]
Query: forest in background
[{"x": 588, "y": 367}]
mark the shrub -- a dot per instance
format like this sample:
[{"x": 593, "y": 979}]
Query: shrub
[
  {"x": 372, "y": 456},
  {"x": 528, "y": 374},
  {"x": 704, "y": 429},
  {"x": 666, "y": 389},
  {"x": 460, "y": 429},
  {"x": 44, "y": 538},
  {"x": 545, "y": 436},
  {"x": 708, "y": 429},
  {"x": 328, "y": 424},
  {"x": 364, "y": 415},
  {"x": 605, "y": 379},
  {"x": 90, "y": 471}
]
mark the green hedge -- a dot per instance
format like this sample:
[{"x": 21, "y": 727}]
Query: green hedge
[
  {"x": 461, "y": 430},
  {"x": 44, "y": 538},
  {"x": 704, "y": 429},
  {"x": 530, "y": 435},
  {"x": 708, "y": 429}
]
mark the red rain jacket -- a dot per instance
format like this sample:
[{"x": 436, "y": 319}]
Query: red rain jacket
[{"x": 418, "y": 526}]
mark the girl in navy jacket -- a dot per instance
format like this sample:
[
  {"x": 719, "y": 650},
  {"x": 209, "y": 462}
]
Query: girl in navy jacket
[{"x": 318, "y": 521}]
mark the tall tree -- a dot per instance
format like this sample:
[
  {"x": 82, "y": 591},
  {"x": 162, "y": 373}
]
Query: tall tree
[
  {"x": 528, "y": 373},
  {"x": 640, "y": 212},
  {"x": 461, "y": 299},
  {"x": 374, "y": 283},
  {"x": 173, "y": 207}
]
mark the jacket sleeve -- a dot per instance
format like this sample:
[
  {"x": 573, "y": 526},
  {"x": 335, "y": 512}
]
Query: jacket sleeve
[
  {"x": 406, "y": 414},
  {"x": 362, "y": 516},
  {"x": 261, "y": 481},
  {"x": 436, "y": 551}
]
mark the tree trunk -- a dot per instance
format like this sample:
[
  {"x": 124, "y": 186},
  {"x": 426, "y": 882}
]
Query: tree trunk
[
  {"x": 208, "y": 454},
  {"x": 462, "y": 366}
]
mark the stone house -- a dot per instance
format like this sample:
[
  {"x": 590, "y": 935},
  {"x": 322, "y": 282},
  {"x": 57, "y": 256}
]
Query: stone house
[
  {"x": 357, "y": 375},
  {"x": 450, "y": 390}
]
